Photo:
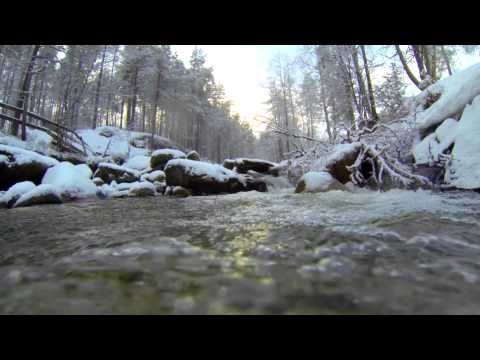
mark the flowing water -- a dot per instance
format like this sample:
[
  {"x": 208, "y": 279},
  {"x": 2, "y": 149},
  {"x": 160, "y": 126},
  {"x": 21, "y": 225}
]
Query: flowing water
[{"x": 398, "y": 252}]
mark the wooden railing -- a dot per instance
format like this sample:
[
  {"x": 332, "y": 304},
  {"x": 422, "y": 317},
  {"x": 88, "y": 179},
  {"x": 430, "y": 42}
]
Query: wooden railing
[{"x": 64, "y": 137}]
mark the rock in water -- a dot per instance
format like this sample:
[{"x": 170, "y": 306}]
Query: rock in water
[
  {"x": 72, "y": 181},
  {"x": 142, "y": 189},
  {"x": 193, "y": 155},
  {"x": 318, "y": 181},
  {"x": 243, "y": 165},
  {"x": 180, "y": 191},
  {"x": 160, "y": 157},
  {"x": 343, "y": 155},
  {"x": 15, "y": 192},
  {"x": 42, "y": 194},
  {"x": 110, "y": 172},
  {"x": 205, "y": 178},
  {"x": 17, "y": 165}
]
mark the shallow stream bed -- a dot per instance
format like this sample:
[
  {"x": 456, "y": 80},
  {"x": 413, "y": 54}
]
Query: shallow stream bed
[{"x": 399, "y": 252}]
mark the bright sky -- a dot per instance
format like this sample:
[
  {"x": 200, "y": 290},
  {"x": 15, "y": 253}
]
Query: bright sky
[{"x": 243, "y": 70}]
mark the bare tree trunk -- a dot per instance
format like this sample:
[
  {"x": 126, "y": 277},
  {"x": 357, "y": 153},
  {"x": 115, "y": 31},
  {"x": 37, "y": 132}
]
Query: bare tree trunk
[
  {"x": 445, "y": 58},
  {"x": 361, "y": 84},
  {"x": 409, "y": 72},
  {"x": 371, "y": 95},
  {"x": 109, "y": 101},
  {"x": 24, "y": 92},
  {"x": 97, "y": 93}
]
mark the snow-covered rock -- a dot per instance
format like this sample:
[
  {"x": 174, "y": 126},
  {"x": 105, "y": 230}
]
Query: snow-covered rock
[
  {"x": 193, "y": 155},
  {"x": 142, "y": 189},
  {"x": 464, "y": 170},
  {"x": 180, "y": 191},
  {"x": 455, "y": 92},
  {"x": 14, "y": 192},
  {"x": 111, "y": 172},
  {"x": 205, "y": 178},
  {"x": 244, "y": 165},
  {"x": 42, "y": 194},
  {"x": 336, "y": 161},
  {"x": 429, "y": 149},
  {"x": 17, "y": 164},
  {"x": 318, "y": 181},
  {"x": 160, "y": 157},
  {"x": 157, "y": 175},
  {"x": 139, "y": 162},
  {"x": 71, "y": 181}
]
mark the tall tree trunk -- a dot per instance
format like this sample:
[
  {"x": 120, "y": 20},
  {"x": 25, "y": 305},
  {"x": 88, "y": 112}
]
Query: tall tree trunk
[
  {"x": 144, "y": 114},
  {"x": 109, "y": 101},
  {"x": 409, "y": 72},
  {"x": 361, "y": 84},
  {"x": 122, "y": 106},
  {"x": 445, "y": 58},
  {"x": 371, "y": 95},
  {"x": 97, "y": 93},
  {"x": 154, "y": 110},
  {"x": 25, "y": 89}
]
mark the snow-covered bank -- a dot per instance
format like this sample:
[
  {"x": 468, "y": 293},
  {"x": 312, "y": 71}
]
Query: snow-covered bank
[{"x": 451, "y": 145}]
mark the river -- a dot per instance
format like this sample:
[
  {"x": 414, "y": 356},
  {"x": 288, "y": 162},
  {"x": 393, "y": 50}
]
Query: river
[{"x": 397, "y": 252}]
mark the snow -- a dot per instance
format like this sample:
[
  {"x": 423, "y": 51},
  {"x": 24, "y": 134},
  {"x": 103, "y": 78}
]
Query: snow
[
  {"x": 17, "y": 190},
  {"x": 456, "y": 91},
  {"x": 338, "y": 153},
  {"x": 152, "y": 176},
  {"x": 430, "y": 148},
  {"x": 446, "y": 130},
  {"x": 125, "y": 186},
  {"x": 141, "y": 185},
  {"x": 85, "y": 170},
  {"x": 23, "y": 156},
  {"x": 37, "y": 140},
  {"x": 106, "y": 190},
  {"x": 68, "y": 179},
  {"x": 425, "y": 151},
  {"x": 317, "y": 181},
  {"x": 119, "y": 142},
  {"x": 139, "y": 162},
  {"x": 241, "y": 160},
  {"x": 119, "y": 168},
  {"x": 464, "y": 171},
  {"x": 39, "y": 190},
  {"x": 200, "y": 168},
  {"x": 175, "y": 153}
]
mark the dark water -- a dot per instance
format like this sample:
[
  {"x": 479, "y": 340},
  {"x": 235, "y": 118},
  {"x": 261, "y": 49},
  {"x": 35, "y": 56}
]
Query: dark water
[{"x": 398, "y": 252}]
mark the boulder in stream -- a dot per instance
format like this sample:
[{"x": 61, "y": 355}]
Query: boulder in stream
[
  {"x": 205, "y": 178},
  {"x": 42, "y": 194},
  {"x": 17, "y": 165},
  {"x": 318, "y": 181}
]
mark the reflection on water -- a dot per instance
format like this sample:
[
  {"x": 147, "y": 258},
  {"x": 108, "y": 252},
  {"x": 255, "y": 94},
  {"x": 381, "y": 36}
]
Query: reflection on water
[{"x": 248, "y": 253}]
